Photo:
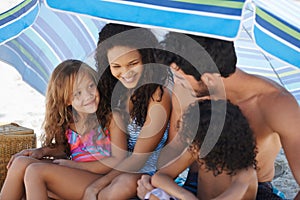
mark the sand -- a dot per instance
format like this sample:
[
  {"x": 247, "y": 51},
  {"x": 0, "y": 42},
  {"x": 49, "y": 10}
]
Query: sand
[{"x": 22, "y": 104}]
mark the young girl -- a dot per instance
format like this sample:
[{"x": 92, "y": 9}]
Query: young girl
[
  {"x": 72, "y": 130},
  {"x": 228, "y": 170},
  {"x": 135, "y": 88}
]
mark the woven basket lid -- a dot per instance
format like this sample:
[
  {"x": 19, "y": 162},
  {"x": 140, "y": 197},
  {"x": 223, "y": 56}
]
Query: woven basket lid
[{"x": 15, "y": 129}]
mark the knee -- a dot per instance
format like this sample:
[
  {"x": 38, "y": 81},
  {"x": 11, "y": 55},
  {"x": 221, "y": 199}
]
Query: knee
[
  {"x": 122, "y": 187},
  {"x": 20, "y": 164},
  {"x": 32, "y": 171}
]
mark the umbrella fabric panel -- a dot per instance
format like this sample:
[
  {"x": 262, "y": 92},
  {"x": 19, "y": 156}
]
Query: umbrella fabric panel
[
  {"x": 54, "y": 37},
  {"x": 18, "y": 18},
  {"x": 250, "y": 57},
  {"x": 29, "y": 75},
  {"x": 277, "y": 29},
  {"x": 254, "y": 60},
  {"x": 219, "y": 18}
]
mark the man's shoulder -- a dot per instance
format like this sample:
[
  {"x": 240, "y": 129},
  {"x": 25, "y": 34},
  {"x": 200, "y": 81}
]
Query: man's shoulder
[
  {"x": 275, "y": 96},
  {"x": 278, "y": 106}
]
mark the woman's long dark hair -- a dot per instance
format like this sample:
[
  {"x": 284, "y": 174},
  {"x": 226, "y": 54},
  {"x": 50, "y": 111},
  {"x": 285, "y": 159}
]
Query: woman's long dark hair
[{"x": 154, "y": 76}]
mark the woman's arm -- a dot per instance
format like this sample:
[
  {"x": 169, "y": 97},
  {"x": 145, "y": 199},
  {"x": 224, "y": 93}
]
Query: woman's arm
[{"x": 151, "y": 134}]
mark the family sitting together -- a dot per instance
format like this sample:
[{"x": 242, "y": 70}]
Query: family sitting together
[{"x": 150, "y": 111}]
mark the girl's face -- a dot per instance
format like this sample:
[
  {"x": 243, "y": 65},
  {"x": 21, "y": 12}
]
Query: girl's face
[
  {"x": 125, "y": 65},
  {"x": 85, "y": 97}
]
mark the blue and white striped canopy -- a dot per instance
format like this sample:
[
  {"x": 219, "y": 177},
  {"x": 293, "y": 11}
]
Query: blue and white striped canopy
[
  {"x": 276, "y": 27},
  {"x": 210, "y": 17},
  {"x": 266, "y": 38},
  {"x": 16, "y": 16}
]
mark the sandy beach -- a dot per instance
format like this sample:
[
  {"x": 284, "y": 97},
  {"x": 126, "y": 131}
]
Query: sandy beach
[{"x": 22, "y": 104}]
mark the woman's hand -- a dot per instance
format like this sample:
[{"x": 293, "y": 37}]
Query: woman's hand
[{"x": 34, "y": 153}]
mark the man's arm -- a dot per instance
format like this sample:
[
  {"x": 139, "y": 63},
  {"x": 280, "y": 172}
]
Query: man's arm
[{"x": 283, "y": 116}]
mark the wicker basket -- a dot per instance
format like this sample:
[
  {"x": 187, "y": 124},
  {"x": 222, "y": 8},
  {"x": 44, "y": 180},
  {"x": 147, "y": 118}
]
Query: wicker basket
[{"x": 13, "y": 138}]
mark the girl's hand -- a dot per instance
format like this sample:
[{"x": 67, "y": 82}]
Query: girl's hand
[{"x": 34, "y": 153}]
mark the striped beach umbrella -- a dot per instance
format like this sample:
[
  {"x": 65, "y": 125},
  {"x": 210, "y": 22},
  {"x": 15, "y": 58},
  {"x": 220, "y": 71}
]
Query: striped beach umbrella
[{"x": 266, "y": 38}]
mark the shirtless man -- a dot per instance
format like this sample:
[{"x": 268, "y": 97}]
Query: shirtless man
[{"x": 272, "y": 112}]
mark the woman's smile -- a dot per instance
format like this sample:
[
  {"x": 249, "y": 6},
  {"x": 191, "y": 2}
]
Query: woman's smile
[{"x": 125, "y": 65}]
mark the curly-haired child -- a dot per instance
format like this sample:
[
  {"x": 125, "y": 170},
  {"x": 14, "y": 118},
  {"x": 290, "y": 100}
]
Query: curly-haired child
[{"x": 227, "y": 170}]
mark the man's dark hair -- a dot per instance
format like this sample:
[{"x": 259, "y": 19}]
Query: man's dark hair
[{"x": 196, "y": 55}]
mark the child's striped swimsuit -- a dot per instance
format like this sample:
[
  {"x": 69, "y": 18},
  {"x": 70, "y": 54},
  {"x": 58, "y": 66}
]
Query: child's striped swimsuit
[{"x": 85, "y": 148}]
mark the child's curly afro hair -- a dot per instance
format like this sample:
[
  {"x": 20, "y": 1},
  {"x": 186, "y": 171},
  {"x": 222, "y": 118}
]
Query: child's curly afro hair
[{"x": 234, "y": 146}]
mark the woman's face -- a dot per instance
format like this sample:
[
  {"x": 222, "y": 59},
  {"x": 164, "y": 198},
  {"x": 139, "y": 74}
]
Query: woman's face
[{"x": 125, "y": 65}]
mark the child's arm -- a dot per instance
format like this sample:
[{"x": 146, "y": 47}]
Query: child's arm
[
  {"x": 240, "y": 184},
  {"x": 164, "y": 178}
]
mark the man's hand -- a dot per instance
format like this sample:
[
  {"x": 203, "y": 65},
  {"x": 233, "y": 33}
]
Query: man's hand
[{"x": 144, "y": 186}]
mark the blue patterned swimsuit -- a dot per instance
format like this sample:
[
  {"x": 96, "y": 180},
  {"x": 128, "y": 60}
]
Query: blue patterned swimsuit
[{"x": 150, "y": 166}]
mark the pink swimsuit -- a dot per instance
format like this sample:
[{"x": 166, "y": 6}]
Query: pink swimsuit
[{"x": 85, "y": 148}]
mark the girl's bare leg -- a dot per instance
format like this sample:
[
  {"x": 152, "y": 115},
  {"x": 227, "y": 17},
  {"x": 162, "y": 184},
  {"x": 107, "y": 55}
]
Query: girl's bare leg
[
  {"x": 64, "y": 182},
  {"x": 13, "y": 187},
  {"x": 122, "y": 187}
]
